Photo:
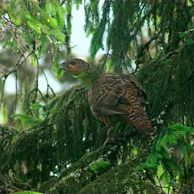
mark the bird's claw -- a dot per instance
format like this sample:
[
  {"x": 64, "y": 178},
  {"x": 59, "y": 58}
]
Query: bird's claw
[{"x": 109, "y": 140}]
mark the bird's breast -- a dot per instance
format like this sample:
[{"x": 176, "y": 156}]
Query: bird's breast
[{"x": 91, "y": 103}]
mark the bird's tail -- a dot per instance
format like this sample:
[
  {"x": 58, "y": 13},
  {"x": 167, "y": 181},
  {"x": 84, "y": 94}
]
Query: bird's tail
[{"x": 141, "y": 123}]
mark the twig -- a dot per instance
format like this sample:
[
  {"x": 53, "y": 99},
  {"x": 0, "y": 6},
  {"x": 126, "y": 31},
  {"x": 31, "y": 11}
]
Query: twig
[
  {"x": 48, "y": 85},
  {"x": 18, "y": 64}
]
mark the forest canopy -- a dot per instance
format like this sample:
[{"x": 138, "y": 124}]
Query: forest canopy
[{"x": 51, "y": 143}]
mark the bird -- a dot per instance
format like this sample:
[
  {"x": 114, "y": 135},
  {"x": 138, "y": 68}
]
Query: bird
[{"x": 112, "y": 94}]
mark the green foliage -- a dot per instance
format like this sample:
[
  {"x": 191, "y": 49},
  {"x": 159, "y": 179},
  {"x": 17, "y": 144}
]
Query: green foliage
[
  {"x": 36, "y": 24},
  {"x": 36, "y": 114},
  {"x": 60, "y": 150},
  {"x": 44, "y": 20},
  {"x": 26, "y": 192},
  {"x": 121, "y": 27},
  {"x": 50, "y": 150},
  {"x": 99, "y": 166},
  {"x": 168, "y": 82},
  {"x": 51, "y": 143},
  {"x": 171, "y": 153},
  {"x": 97, "y": 39},
  {"x": 119, "y": 31}
]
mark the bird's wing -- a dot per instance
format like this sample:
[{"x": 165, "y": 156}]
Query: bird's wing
[
  {"x": 114, "y": 95},
  {"x": 111, "y": 105},
  {"x": 120, "y": 95},
  {"x": 139, "y": 89},
  {"x": 113, "y": 101}
]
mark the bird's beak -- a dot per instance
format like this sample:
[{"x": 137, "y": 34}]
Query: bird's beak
[{"x": 63, "y": 66}]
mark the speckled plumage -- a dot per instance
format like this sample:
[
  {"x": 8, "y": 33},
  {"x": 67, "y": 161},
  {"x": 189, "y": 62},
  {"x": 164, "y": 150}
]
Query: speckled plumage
[{"x": 113, "y": 94}]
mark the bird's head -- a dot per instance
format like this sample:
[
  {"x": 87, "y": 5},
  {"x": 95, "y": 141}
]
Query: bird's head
[{"x": 75, "y": 66}]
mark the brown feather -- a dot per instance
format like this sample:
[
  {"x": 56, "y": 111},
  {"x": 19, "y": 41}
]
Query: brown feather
[{"x": 114, "y": 94}]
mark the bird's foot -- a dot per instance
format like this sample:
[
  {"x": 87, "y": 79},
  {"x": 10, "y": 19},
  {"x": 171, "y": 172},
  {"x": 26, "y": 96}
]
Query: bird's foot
[{"x": 109, "y": 140}]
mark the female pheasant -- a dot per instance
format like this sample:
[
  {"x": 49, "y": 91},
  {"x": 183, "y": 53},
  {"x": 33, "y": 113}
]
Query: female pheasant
[{"x": 114, "y": 94}]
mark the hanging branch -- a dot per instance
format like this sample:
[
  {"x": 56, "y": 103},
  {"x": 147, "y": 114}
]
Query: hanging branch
[
  {"x": 48, "y": 85},
  {"x": 9, "y": 71},
  {"x": 18, "y": 64}
]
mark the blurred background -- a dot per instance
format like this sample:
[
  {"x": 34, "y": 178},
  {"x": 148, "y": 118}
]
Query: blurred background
[{"x": 15, "y": 87}]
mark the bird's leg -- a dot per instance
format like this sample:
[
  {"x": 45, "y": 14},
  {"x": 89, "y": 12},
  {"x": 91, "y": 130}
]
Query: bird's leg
[
  {"x": 108, "y": 124},
  {"x": 109, "y": 137},
  {"x": 106, "y": 121}
]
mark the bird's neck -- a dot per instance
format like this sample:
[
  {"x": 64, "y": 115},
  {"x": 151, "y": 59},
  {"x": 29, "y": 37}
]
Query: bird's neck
[{"x": 90, "y": 76}]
